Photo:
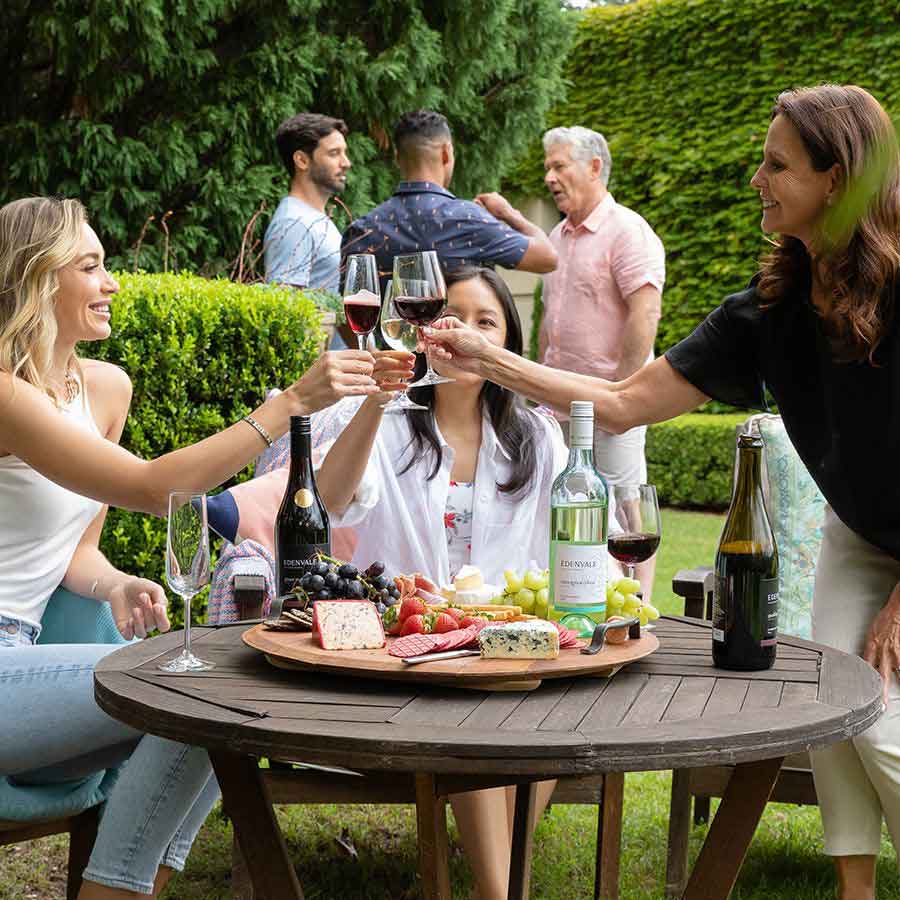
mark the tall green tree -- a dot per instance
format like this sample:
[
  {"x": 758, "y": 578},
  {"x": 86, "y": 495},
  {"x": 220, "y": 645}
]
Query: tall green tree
[{"x": 141, "y": 107}]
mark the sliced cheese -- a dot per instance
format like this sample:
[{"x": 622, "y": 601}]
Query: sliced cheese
[
  {"x": 469, "y": 578},
  {"x": 534, "y": 639},
  {"x": 347, "y": 625}
]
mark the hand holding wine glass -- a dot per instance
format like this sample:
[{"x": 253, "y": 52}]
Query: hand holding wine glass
[
  {"x": 420, "y": 296},
  {"x": 187, "y": 566},
  {"x": 361, "y": 295},
  {"x": 637, "y": 514}
]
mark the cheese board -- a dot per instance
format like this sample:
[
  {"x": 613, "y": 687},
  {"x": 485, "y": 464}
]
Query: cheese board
[{"x": 298, "y": 650}]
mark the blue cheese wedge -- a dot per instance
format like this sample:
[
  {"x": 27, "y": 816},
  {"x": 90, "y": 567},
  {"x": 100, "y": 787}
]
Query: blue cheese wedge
[
  {"x": 533, "y": 639},
  {"x": 347, "y": 625}
]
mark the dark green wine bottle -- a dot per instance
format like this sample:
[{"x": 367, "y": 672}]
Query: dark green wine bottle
[
  {"x": 745, "y": 604},
  {"x": 301, "y": 526}
]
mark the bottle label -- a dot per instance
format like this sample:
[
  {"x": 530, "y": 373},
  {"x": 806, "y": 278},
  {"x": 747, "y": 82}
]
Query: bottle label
[
  {"x": 755, "y": 616},
  {"x": 768, "y": 590},
  {"x": 579, "y": 578},
  {"x": 581, "y": 432},
  {"x": 304, "y": 498},
  {"x": 297, "y": 561}
]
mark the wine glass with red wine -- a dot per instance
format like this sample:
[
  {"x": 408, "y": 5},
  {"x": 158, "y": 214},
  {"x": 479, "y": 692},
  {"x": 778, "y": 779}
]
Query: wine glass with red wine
[
  {"x": 637, "y": 514},
  {"x": 420, "y": 296},
  {"x": 362, "y": 302}
]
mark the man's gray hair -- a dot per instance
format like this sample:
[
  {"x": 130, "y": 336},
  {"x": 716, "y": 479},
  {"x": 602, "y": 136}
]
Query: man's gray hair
[{"x": 585, "y": 144}]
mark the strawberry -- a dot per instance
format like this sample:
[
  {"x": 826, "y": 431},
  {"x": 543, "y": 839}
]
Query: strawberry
[
  {"x": 466, "y": 621},
  {"x": 456, "y": 613},
  {"x": 444, "y": 623},
  {"x": 411, "y": 606},
  {"x": 414, "y": 624},
  {"x": 394, "y": 628}
]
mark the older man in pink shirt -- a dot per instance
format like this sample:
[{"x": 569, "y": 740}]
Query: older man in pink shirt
[{"x": 602, "y": 304}]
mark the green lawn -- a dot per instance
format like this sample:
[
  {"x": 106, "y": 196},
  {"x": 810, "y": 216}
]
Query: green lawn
[{"x": 784, "y": 862}]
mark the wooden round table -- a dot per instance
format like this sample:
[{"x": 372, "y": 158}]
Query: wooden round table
[{"x": 670, "y": 710}]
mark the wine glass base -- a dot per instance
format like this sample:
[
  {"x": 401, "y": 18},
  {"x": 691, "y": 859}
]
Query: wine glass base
[
  {"x": 401, "y": 404},
  {"x": 428, "y": 379},
  {"x": 186, "y": 662}
]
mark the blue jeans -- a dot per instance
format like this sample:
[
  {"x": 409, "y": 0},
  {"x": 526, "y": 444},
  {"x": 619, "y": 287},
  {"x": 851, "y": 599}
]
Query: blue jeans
[{"x": 165, "y": 791}]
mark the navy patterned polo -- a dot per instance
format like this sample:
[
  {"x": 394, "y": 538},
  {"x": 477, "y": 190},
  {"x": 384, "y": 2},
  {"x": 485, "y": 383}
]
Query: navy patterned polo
[{"x": 422, "y": 215}]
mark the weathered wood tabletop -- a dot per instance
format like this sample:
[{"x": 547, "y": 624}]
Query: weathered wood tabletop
[{"x": 670, "y": 710}]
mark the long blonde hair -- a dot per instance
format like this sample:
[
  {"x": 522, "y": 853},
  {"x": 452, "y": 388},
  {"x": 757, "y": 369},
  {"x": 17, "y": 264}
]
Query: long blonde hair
[{"x": 38, "y": 237}]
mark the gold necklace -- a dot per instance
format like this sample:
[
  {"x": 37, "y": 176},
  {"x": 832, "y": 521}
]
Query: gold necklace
[{"x": 71, "y": 387}]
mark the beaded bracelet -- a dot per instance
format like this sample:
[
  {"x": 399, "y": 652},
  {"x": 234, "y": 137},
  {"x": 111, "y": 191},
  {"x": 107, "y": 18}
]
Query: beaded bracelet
[{"x": 262, "y": 431}]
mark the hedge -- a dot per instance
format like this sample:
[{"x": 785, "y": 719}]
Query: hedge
[
  {"x": 683, "y": 89},
  {"x": 690, "y": 459},
  {"x": 201, "y": 353}
]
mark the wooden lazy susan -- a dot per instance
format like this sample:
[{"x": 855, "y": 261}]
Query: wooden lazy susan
[{"x": 297, "y": 650}]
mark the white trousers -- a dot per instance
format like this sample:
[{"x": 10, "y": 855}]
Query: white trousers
[{"x": 857, "y": 781}]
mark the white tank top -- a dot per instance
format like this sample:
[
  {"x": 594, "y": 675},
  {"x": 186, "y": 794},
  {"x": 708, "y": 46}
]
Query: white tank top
[{"x": 41, "y": 524}]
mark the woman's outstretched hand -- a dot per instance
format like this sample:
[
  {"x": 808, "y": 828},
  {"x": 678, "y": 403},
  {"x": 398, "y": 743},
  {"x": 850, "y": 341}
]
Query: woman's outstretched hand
[
  {"x": 139, "y": 606},
  {"x": 883, "y": 642},
  {"x": 451, "y": 340},
  {"x": 393, "y": 370},
  {"x": 335, "y": 375}
]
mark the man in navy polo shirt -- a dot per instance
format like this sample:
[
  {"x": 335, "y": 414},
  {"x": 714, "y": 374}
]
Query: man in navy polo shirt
[{"x": 423, "y": 215}]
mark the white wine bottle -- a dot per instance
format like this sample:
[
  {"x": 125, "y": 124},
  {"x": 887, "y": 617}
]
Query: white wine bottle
[
  {"x": 745, "y": 600},
  {"x": 301, "y": 526},
  {"x": 578, "y": 531}
]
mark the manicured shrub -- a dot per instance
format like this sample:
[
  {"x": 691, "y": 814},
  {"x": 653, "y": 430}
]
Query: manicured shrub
[
  {"x": 201, "y": 353},
  {"x": 690, "y": 459}
]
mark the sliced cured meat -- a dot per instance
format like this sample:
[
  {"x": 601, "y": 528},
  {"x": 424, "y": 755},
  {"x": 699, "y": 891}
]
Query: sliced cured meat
[{"x": 417, "y": 644}]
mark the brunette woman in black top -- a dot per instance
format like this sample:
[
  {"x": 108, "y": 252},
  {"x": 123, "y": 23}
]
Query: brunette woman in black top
[{"x": 818, "y": 328}]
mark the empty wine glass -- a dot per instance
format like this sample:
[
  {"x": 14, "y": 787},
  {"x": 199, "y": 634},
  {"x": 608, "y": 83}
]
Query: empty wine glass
[
  {"x": 187, "y": 566},
  {"x": 637, "y": 514},
  {"x": 420, "y": 296},
  {"x": 361, "y": 296},
  {"x": 398, "y": 334}
]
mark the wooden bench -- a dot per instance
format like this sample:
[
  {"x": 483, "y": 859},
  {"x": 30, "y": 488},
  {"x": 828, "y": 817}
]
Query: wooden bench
[{"x": 82, "y": 831}]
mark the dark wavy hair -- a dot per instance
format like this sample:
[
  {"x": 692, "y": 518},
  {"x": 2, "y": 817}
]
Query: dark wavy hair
[
  {"x": 515, "y": 425},
  {"x": 858, "y": 244},
  {"x": 303, "y": 132}
]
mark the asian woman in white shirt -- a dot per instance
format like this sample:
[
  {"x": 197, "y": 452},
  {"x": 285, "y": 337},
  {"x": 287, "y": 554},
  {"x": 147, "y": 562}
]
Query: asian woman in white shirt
[{"x": 467, "y": 481}]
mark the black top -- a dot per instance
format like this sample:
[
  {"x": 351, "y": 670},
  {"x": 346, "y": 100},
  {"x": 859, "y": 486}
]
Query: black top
[{"x": 842, "y": 418}]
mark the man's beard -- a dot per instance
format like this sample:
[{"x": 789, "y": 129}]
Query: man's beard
[{"x": 332, "y": 184}]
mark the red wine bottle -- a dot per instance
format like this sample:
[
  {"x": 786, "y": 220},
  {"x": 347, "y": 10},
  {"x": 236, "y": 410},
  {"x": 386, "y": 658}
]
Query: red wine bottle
[
  {"x": 301, "y": 526},
  {"x": 745, "y": 601}
]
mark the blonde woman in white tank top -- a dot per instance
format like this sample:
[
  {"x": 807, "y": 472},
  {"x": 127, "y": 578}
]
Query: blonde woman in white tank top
[{"x": 60, "y": 465}]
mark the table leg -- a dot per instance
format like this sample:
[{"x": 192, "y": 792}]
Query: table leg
[
  {"x": 520, "y": 861},
  {"x": 609, "y": 837},
  {"x": 246, "y": 797},
  {"x": 434, "y": 847},
  {"x": 732, "y": 830}
]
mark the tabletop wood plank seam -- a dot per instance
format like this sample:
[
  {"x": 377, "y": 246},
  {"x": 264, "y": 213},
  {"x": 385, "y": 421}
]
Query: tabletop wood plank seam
[{"x": 243, "y": 710}]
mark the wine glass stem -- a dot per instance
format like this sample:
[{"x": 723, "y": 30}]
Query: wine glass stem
[
  {"x": 429, "y": 370},
  {"x": 187, "y": 624},
  {"x": 629, "y": 570},
  {"x": 361, "y": 341}
]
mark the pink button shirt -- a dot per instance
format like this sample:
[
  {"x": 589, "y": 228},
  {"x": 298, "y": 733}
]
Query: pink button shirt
[{"x": 605, "y": 259}]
